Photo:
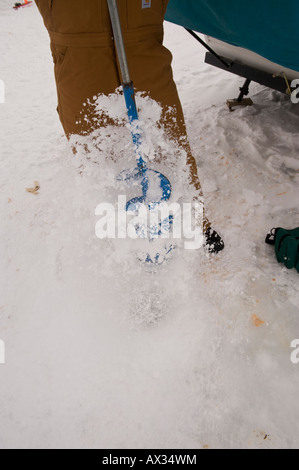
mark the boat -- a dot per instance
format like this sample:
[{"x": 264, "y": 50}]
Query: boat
[{"x": 258, "y": 40}]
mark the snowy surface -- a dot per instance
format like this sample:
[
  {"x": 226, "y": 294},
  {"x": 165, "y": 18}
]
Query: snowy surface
[{"x": 101, "y": 353}]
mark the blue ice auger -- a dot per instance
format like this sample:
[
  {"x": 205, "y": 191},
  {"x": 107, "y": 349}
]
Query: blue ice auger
[{"x": 146, "y": 176}]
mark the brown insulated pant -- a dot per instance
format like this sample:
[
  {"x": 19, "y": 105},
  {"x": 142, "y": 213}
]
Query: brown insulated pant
[{"x": 85, "y": 60}]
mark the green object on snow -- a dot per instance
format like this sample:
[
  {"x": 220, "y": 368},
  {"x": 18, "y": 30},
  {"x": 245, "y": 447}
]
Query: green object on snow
[
  {"x": 286, "y": 244},
  {"x": 287, "y": 247}
]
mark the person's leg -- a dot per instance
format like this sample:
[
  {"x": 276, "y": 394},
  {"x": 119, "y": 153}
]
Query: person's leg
[
  {"x": 81, "y": 73},
  {"x": 84, "y": 59}
]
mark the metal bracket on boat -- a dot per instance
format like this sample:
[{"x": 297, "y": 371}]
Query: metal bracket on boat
[
  {"x": 267, "y": 79},
  {"x": 241, "y": 101}
]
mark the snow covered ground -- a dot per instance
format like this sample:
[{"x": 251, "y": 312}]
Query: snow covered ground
[{"x": 101, "y": 353}]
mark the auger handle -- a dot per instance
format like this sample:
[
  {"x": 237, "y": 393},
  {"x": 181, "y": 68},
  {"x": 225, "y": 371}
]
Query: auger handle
[{"x": 127, "y": 83}]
